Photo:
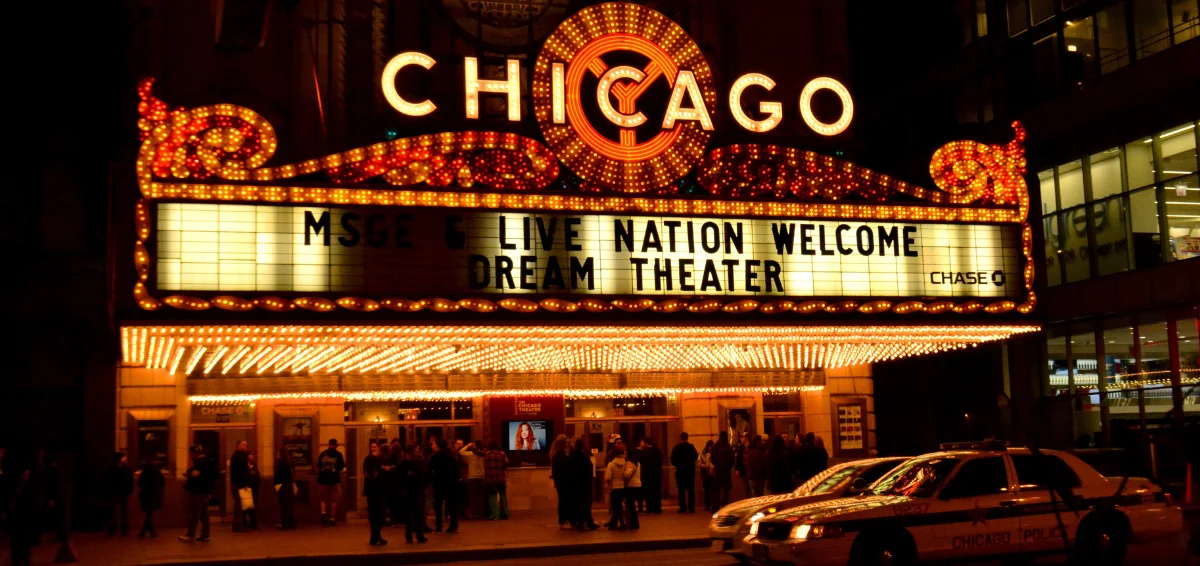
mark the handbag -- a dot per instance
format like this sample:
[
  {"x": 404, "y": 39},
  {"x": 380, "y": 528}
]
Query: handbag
[{"x": 247, "y": 497}]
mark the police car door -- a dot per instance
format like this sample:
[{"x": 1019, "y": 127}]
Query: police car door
[
  {"x": 1036, "y": 477},
  {"x": 973, "y": 516}
]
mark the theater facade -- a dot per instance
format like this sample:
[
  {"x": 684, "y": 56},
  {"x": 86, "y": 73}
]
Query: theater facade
[{"x": 604, "y": 264}]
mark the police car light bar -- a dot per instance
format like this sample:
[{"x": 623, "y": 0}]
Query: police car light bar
[{"x": 975, "y": 445}]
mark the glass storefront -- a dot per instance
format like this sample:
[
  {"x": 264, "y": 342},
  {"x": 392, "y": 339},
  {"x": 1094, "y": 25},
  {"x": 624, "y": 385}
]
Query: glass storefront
[{"x": 1123, "y": 208}]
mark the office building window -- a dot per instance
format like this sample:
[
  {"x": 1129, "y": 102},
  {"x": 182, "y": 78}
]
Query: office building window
[
  {"x": 1083, "y": 354},
  {"x": 1139, "y": 164},
  {"x": 981, "y": 23},
  {"x": 1183, "y": 216},
  {"x": 1041, "y": 10},
  {"x": 1188, "y": 335},
  {"x": 1046, "y": 187},
  {"x": 1075, "y": 244},
  {"x": 1046, "y": 73},
  {"x": 1053, "y": 250},
  {"x": 1068, "y": 4},
  {"x": 1056, "y": 357},
  {"x": 1143, "y": 226},
  {"x": 1112, "y": 239},
  {"x": 1185, "y": 18},
  {"x": 1150, "y": 29},
  {"x": 1112, "y": 39},
  {"x": 1119, "y": 358},
  {"x": 1156, "y": 350},
  {"x": 1070, "y": 184},
  {"x": 1178, "y": 151},
  {"x": 1105, "y": 168},
  {"x": 1018, "y": 16},
  {"x": 1080, "y": 60}
]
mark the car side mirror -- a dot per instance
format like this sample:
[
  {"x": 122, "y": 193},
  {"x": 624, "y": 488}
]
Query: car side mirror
[{"x": 859, "y": 484}]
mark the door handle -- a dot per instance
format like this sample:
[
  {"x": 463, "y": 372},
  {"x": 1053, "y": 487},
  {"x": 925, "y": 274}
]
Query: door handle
[{"x": 1008, "y": 503}]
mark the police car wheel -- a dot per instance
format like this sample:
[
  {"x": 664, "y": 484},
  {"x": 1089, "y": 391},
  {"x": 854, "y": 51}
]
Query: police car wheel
[
  {"x": 1103, "y": 540},
  {"x": 880, "y": 549}
]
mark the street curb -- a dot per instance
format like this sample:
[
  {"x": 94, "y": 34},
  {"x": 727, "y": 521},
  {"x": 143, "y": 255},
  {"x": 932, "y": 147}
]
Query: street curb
[{"x": 468, "y": 555}]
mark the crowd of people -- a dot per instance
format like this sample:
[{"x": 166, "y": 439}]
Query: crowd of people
[
  {"x": 764, "y": 465},
  {"x": 461, "y": 479}
]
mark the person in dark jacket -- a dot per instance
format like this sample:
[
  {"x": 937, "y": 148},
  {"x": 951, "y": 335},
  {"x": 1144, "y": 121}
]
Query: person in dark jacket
[
  {"x": 23, "y": 512},
  {"x": 562, "y": 480},
  {"x": 683, "y": 458},
  {"x": 119, "y": 483},
  {"x": 329, "y": 481},
  {"x": 374, "y": 491},
  {"x": 150, "y": 495},
  {"x": 778, "y": 467},
  {"x": 412, "y": 485},
  {"x": 285, "y": 490},
  {"x": 201, "y": 477},
  {"x": 804, "y": 459},
  {"x": 395, "y": 493},
  {"x": 652, "y": 467},
  {"x": 582, "y": 471},
  {"x": 444, "y": 474},
  {"x": 722, "y": 462},
  {"x": 239, "y": 478},
  {"x": 756, "y": 466}
]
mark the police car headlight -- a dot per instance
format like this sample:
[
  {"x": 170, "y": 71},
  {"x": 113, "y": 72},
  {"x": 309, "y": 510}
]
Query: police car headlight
[
  {"x": 717, "y": 514},
  {"x": 754, "y": 529},
  {"x": 809, "y": 532}
]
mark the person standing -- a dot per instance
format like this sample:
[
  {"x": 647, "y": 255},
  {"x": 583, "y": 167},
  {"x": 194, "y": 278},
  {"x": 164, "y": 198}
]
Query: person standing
[
  {"x": 395, "y": 482},
  {"x": 651, "y": 460},
  {"x": 778, "y": 469},
  {"x": 201, "y": 477},
  {"x": 820, "y": 456},
  {"x": 473, "y": 454},
  {"x": 614, "y": 476},
  {"x": 582, "y": 470},
  {"x": 412, "y": 484},
  {"x": 722, "y": 462},
  {"x": 495, "y": 480},
  {"x": 561, "y": 478},
  {"x": 373, "y": 490},
  {"x": 255, "y": 480},
  {"x": 739, "y": 461},
  {"x": 683, "y": 458},
  {"x": 23, "y": 513},
  {"x": 756, "y": 467},
  {"x": 150, "y": 495},
  {"x": 239, "y": 479},
  {"x": 443, "y": 473},
  {"x": 633, "y": 489},
  {"x": 119, "y": 483},
  {"x": 706, "y": 476},
  {"x": 285, "y": 489},
  {"x": 329, "y": 479}
]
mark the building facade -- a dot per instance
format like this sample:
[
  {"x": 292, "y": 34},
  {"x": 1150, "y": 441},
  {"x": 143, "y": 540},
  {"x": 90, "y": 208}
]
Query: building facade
[{"x": 1110, "y": 92}]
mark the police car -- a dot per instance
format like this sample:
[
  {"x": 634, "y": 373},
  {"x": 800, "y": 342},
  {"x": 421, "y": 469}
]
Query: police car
[
  {"x": 968, "y": 502},
  {"x": 732, "y": 523}
]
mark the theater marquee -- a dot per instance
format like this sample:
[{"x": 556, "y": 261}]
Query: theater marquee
[
  {"x": 228, "y": 247},
  {"x": 616, "y": 207}
]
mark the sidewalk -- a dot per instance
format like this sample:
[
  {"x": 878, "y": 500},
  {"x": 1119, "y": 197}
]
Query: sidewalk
[{"x": 522, "y": 536}]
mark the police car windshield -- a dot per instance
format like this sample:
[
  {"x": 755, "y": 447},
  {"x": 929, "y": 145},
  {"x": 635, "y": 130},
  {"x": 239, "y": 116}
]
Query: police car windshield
[
  {"x": 919, "y": 477},
  {"x": 826, "y": 480}
]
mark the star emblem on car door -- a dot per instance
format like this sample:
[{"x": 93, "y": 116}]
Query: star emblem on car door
[{"x": 977, "y": 515}]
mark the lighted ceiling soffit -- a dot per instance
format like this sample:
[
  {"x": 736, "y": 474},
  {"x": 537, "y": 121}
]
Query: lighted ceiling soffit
[{"x": 249, "y": 351}]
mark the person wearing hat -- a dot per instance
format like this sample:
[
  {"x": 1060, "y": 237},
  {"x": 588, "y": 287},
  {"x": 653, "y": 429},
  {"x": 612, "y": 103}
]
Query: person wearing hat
[{"x": 201, "y": 477}]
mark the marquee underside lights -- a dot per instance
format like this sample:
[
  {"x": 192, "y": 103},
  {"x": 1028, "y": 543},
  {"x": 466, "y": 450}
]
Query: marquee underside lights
[
  {"x": 440, "y": 395},
  {"x": 390, "y": 350}
]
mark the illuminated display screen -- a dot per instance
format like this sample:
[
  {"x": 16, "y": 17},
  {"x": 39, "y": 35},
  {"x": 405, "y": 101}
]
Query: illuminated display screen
[{"x": 280, "y": 248}]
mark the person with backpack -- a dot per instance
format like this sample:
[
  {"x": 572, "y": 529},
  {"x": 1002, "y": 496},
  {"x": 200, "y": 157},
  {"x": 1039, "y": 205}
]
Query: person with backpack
[{"x": 329, "y": 481}]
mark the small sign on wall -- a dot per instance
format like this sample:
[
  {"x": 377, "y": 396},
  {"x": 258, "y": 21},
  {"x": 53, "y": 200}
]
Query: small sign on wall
[{"x": 850, "y": 428}]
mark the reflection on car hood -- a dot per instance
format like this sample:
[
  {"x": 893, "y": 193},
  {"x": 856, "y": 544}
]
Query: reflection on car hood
[
  {"x": 828, "y": 510},
  {"x": 746, "y": 506}
]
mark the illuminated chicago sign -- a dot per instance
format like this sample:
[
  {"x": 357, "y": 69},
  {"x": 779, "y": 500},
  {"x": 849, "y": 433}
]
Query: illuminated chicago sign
[{"x": 648, "y": 218}]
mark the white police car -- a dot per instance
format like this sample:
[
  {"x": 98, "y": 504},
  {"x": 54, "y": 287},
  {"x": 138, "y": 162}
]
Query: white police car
[
  {"x": 732, "y": 523},
  {"x": 968, "y": 502}
]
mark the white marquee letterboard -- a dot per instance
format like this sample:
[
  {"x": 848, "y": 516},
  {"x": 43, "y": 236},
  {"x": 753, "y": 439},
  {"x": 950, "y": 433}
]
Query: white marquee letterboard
[{"x": 283, "y": 248}]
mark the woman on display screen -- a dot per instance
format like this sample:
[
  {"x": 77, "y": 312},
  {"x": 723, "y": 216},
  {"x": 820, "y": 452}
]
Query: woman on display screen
[{"x": 525, "y": 439}]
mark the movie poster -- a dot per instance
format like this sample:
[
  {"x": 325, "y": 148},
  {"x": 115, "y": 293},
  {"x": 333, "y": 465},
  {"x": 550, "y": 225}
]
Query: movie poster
[{"x": 298, "y": 439}]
